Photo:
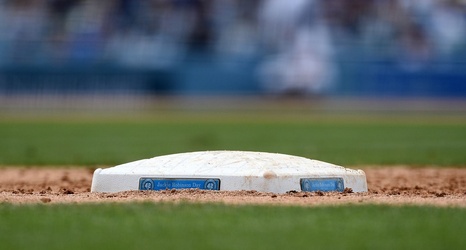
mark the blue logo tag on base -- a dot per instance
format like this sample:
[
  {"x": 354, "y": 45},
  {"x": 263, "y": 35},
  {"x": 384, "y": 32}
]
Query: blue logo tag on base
[
  {"x": 162, "y": 184},
  {"x": 322, "y": 184}
]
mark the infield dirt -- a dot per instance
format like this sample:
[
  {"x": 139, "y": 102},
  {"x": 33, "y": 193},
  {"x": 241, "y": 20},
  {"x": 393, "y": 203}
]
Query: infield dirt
[{"x": 396, "y": 185}]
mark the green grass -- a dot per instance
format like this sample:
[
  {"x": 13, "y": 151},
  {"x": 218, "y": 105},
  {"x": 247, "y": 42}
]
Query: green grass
[
  {"x": 344, "y": 140},
  {"x": 215, "y": 226},
  {"x": 340, "y": 140}
]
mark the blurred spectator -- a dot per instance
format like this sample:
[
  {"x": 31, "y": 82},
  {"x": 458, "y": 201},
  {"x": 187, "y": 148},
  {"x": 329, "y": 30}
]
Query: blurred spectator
[
  {"x": 416, "y": 50},
  {"x": 300, "y": 39},
  {"x": 21, "y": 26},
  {"x": 303, "y": 62},
  {"x": 448, "y": 26}
]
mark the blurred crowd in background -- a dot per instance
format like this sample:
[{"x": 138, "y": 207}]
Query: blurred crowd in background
[{"x": 298, "y": 42}]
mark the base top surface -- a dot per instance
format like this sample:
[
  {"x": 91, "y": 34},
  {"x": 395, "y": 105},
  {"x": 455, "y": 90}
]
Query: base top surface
[{"x": 226, "y": 163}]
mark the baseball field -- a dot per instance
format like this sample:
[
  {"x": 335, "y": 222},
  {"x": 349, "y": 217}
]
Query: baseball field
[{"x": 415, "y": 164}]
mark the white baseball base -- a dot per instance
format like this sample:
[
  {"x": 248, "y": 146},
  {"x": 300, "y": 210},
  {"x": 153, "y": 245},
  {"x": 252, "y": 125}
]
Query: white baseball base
[{"x": 229, "y": 170}]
